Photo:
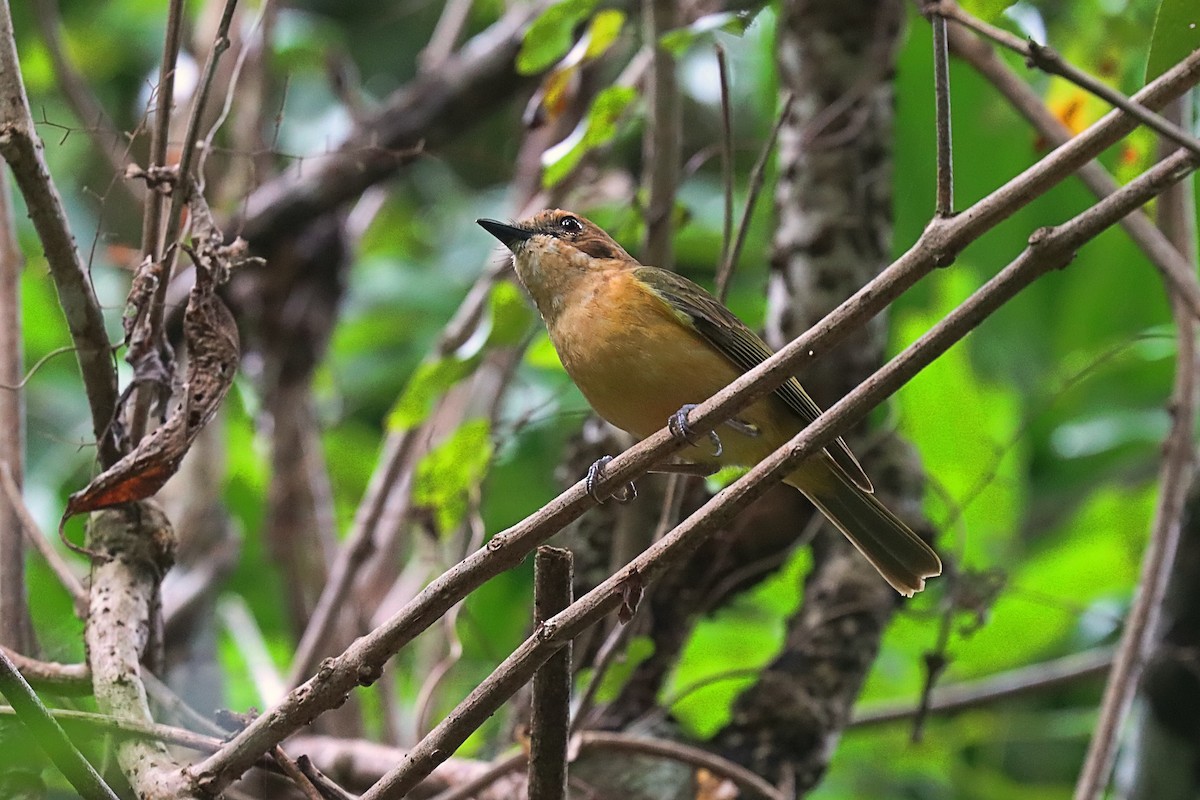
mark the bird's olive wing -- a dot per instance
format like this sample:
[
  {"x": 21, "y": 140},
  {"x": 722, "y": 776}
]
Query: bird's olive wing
[{"x": 712, "y": 320}]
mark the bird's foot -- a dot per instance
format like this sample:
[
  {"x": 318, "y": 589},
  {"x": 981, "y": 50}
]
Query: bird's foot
[
  {"x": 678, "y": 425},
  {"x": 596, "y": 472}
]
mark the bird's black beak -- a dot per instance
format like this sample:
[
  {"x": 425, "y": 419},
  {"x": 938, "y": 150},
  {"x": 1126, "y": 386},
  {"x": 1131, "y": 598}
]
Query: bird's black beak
[{"x": 507, "y": 234}]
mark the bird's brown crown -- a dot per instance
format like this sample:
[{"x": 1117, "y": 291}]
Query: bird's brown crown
[{"x": 579, "y": 232}]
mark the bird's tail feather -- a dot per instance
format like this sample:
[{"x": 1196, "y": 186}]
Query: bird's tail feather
[{"x": 901, "y": 557}]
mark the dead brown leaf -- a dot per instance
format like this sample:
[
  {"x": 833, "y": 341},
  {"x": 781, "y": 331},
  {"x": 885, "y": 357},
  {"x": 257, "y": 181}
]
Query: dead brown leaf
[{"x": 211, "y": 338}]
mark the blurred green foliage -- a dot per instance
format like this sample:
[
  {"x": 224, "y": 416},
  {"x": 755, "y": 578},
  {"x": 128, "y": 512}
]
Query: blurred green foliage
[{"x": 1040, "y": 432}]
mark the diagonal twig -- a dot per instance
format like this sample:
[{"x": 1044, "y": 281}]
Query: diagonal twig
[
  {"x": 726, "y": 171},
  {"x": 52, "y": 677},
  {"x": 102, "y": 723},
  {"x": 99, "y": 127},
  {"x": 33, "y": 535},
  {"x": 985, "y": 691},
  {"x": 1150, "y": 239},
  {"x": 755, "y": 184},
  {"x": 297, "y": 776},
  {"x": 49, "y": 735},
  {"x": 1049, "y": 61},
  {"x": 744, "y": 779},
  {"x": 22, "y": 149}
]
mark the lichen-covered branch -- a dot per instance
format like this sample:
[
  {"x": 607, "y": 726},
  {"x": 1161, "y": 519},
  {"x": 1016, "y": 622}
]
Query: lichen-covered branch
[{"x": 134, "y": 545}]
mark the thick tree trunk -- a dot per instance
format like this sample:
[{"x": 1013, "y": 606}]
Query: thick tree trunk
[{"x": 834, "y": 204}]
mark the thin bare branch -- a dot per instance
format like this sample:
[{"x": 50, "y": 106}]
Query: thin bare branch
[
  {"x": 16, "y": 628},
  {"x": 1178, "y": 217},
  {"x": 21, "y": 147},
  {"x": 1149, "y": 238},
  {"x": 181, "y": 193},
  {"x": 100, "y": 723},
  {"x": 399, "y": 452},
  {"x": 254, "y": 43},
  {"x": 745, "y": 780},
  {"x": 49, "y": 734},
  {"x": 164, "y": 101},
  {"x": 302, "y": 782},
  {"x": 358, "y": 547},
  {"x": 248, "y": 638},
  {"x": 51, "y": 677},
  {"x": 173, "y": 704},
  {"x": 1046, "y": 59},
  {"x": 328, "y": 789},
  {"x": 726, "y": 174},
  {"x": 612, "y": 645},
  {"x": 987, "y": 691},
  {"x": 99, "y": 127},
  {"x": 425, "y": 702},
  {"x": 470, "y": 789},
  {"x": 663, "y": 136},
  {"x": 941, "y": 91},
  {"x": 33, "y": 535},
  {"x": 551, "y": 704},
  {"x": 445, "y": 34},
  {"x": 1167, "y": 686},
  {"x": 757, "y": 177}
]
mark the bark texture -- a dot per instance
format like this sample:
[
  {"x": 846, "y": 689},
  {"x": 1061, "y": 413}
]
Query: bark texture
[{"x": 834, "y": 206}]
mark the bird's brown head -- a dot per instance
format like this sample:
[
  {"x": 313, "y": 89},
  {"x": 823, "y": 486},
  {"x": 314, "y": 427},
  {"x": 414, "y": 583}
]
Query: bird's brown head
[{"x": 555, "y": 252}]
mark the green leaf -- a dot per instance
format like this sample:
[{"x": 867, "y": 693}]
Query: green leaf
[
  {"x": 738, "y": 638},
  {"x": 1091, "y": 563},
  {"x": 428, "y": 382},
  {"x": 973, "y": 451},
  {"x": 596, "y": 129},
  {"x": 638, "y": 650},
  {"x": 988, "y": 10},
  {"x": 678, "y": 41},
  {"x": 450, "y": 472},
  {"x": 602, "y": 31},
  {"x": 723, "y": 477},
  {"x": 542, "y": 355},
  {"x": 1176, "y": 34},
  {"x": 509, "y": 314},
  {"x": 549, "y": 37}
]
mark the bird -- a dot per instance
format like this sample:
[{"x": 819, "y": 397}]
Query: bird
[{"x": 645, "y": 344}]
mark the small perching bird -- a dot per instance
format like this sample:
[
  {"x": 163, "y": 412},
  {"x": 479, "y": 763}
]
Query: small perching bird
[{"x": 644, "y": 345}]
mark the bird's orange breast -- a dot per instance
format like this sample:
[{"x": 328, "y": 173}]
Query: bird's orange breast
[{"x": 637, "y": 363}]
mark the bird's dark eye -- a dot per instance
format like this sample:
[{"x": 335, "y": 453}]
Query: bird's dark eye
[{"x": 570, "y": 225}]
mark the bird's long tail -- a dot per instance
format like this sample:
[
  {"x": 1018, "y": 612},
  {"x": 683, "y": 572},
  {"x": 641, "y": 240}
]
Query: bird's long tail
[{"x": 901, "y": 557}]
